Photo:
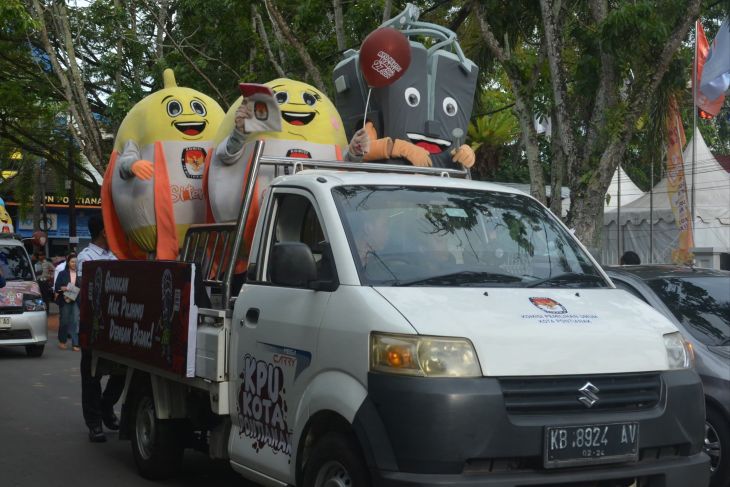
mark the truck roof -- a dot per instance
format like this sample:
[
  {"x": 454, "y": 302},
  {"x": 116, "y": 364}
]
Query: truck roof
[{"x": 332, "y": 178}]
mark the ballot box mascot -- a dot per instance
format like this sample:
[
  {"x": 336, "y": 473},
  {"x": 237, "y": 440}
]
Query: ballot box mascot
[
  {"x": 310, "y": 128},
  {"x": 421, "y": 117},
  {"x": 153, "y": 185}
]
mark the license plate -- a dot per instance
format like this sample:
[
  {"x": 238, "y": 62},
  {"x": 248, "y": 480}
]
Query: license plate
[
  {"x": 567, "y": 446},
  {"x": 4, "y": 322}
]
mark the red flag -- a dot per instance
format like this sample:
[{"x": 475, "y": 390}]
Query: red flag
[{"x": 707, "y": 108}]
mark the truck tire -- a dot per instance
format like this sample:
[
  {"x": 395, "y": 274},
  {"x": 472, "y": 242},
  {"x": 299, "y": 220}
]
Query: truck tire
[
  {"x": 157, "y": 444},
  {"x": 34, "y": 350},
  {"x": 336, "y": 461},
  {"x": 717, "y": 446}
]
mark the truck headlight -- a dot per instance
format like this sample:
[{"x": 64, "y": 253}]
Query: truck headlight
[
  {"x": 679, "y": 352},
  {"x": 33, "y": 303},
  {"x": 423, "y": 356}
]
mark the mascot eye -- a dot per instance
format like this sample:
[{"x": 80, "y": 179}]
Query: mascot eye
[
  {"x": 282, "y": 97},
  {"x": 450, "y": 106},
  {"x": 174, "y": 108},
  {"x": 413, "y": 97},
  {"x": 198, "y": 107},
  {"x": 309, "y": 99}
]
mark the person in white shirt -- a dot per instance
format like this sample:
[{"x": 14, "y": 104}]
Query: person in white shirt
[{"x": 97, "y": 407}]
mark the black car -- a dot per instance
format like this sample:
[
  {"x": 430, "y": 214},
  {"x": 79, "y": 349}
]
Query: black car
[{"x": 698, "y": 303}]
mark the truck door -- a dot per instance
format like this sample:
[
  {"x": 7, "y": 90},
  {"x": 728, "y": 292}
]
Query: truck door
[{"x": 274, "y": 336}]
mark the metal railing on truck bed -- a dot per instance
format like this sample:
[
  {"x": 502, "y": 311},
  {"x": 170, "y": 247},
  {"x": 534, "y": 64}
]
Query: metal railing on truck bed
[{"x": 212, "y": 247}]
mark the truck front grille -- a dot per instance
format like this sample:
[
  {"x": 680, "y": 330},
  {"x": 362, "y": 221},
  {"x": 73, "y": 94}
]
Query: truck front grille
[{"x": 625, "y": 392}]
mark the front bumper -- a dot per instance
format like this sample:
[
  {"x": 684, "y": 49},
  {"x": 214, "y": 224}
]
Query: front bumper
[
  {"x": 420, "y": 431},
  {"x": 28, "y": 328}
]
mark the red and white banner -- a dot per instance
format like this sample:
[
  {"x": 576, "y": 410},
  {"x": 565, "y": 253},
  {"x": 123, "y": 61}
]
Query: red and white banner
[{"x": 708, "y": 108}]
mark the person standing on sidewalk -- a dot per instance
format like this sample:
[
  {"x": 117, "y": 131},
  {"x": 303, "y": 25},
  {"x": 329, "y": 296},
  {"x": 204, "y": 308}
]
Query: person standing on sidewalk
[{"x": 97, "y": 407}]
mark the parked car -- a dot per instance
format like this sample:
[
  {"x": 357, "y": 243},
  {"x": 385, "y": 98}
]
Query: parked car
[
  {"x": 698, "y": 302},
  {"x": 23, "y": 320}
]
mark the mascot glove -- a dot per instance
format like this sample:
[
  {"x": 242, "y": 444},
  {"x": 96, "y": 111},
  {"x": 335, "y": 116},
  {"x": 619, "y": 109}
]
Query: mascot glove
[
  {"x": 380, "y": 149},
  {"x": 464, "y": 155},
  {"x": 143, "y": 169},
  {"x": 418, "y": 156},
  {"x": 360, "y": 143},
  {"x": 243, "y": 112}
]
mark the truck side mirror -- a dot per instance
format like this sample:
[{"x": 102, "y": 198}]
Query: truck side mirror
[{"x": 292, "y": 264}]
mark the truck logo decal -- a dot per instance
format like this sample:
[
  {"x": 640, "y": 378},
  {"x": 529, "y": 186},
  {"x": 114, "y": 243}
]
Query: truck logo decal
[
  {"x": 262, "y": 406},
  {"x": 588, "y": 395},
  {"x": 549, "y": 305},
  {"x": 291, "y": 357}
]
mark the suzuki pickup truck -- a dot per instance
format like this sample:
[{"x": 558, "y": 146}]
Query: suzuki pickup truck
[{"x": 395, "y": 327}]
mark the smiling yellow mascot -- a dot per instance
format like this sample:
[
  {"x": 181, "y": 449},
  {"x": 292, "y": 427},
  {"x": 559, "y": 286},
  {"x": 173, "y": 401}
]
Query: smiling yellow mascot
[{"x": 153, "y": 185}]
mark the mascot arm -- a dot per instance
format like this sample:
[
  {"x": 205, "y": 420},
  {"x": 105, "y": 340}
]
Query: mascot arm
[
  {"x": 130, "y": 165},
  {"x": 464, "y": 155},
  {"x": 418, "y": 156},
  {"x": 230, "y": 149},
  {"x": 379, "y": 149}
]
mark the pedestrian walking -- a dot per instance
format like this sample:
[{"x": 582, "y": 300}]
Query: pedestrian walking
[
  {"x": 45, "y": 280},
  {"x": 67, "y": 290},
  {"x": 97, "y": 407}
]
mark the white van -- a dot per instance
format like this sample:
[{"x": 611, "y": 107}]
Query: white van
[
  {"x": 23, "y": 320},
  {"x": 413, "y": 330}
]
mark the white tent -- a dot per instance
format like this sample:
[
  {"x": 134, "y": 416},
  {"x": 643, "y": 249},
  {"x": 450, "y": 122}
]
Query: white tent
[
  {"x": 642, "y": 229},
  {"x": 629, "y": 190}
]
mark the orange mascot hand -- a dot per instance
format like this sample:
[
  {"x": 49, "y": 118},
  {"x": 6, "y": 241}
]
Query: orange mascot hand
[
  {"x": 379, "y": 149},
  {"x": 464, "y": 155},
  {"x": 418, "y": 156},
  {"x": 143, "y": 169}
]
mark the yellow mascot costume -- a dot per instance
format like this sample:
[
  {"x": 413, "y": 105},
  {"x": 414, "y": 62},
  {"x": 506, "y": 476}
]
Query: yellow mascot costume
[
  {"x": 311, "y": 128},
  {"x": 153, "y": 186}
]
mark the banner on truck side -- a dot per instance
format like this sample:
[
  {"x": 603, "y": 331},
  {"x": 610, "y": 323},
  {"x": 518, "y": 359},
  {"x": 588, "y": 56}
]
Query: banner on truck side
[{"x": 141, "y": 310}]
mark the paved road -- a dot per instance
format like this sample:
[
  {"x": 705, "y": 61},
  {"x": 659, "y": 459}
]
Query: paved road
[{"x": 43, "y": 439}]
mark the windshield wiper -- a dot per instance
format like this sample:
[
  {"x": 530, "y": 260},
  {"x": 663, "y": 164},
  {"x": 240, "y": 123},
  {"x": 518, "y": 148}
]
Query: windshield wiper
[
  {"x": 462, "y": 277},
  {"x": 568, "y": 277}
]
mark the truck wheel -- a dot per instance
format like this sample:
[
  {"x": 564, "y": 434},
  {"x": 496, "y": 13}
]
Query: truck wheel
[
  {"x": 336, "y": 462},
  {"x": 156, "y": 444},
  {"x": 717, "y": 446},
  {"x": 34, "y": 350}
]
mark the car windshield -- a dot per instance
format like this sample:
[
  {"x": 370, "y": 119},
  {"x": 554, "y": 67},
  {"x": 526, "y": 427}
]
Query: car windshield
[
  {"x": 14, "y": 263},
  {"x": 701, "y": 304},
  {"x": 424, "y": 236}
]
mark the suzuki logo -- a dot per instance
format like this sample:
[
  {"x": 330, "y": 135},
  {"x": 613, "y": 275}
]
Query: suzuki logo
[{"x": 588, "y": 395}]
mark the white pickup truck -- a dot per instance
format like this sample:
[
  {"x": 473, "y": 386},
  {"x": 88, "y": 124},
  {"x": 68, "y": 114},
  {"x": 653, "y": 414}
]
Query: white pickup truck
[{"x": 400, "y": 327}]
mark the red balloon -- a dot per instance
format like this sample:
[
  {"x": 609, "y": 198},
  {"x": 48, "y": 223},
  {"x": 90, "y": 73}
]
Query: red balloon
[
  {"x": 39, "y": 238},
  {"x": 385, "y": 55}
]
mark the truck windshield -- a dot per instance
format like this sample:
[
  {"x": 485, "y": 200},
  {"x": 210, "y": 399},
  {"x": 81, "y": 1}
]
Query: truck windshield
[{"x": 425, "y": 236}]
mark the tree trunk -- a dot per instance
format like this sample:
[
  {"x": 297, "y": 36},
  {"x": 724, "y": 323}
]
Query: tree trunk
[
  {"x": 267, "y": 45},
  {"x": 557, "y": 169},
  {"x": 84, "y": 138},
  {"x": 252, "y": 52},
  {"x": 160, "y": 34},
  {"x": 387, "y": 8},
  {"x": 554, "y": 46},
  {"x": 587, "y": 198},
  {"x": 339, "y": 25},
  {"x": 524, "y": 113},
  {"x": 309, "y": 65}
]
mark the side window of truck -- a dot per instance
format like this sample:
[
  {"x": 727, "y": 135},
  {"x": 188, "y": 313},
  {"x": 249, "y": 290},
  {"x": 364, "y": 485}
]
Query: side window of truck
[{"x": 296, "y": 220}]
